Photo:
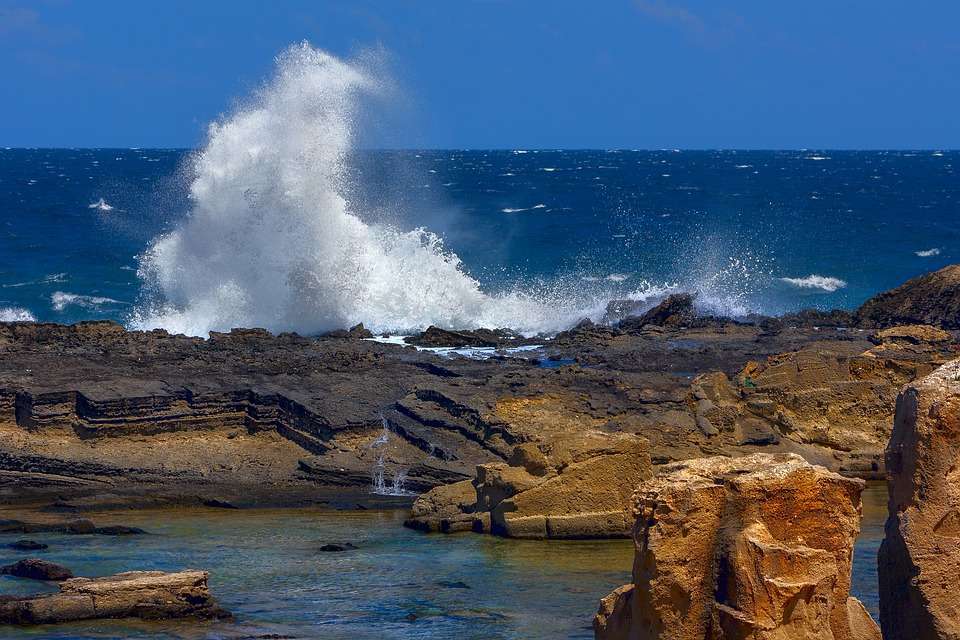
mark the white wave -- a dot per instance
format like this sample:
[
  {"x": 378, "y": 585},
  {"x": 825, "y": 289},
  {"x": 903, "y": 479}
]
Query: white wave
[
  {"x": 60, "y": 300},
  {"x": 100, "y": 205},
  {"x": 617, "y": 277},
  {"x": 536, "y": 206},
  {"x": 548, "y": 169},
  {"x": 16, "y": 314},
  {"x": 928, "y": 253},
  {"x": 272, "y": 242},
  {"x": 824, "y": 283},
  {"x": 818, "y": 158}
]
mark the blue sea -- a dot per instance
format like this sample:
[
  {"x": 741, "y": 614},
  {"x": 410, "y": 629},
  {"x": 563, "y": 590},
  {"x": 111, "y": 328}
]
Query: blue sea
[{"x": 749, "y": 231}]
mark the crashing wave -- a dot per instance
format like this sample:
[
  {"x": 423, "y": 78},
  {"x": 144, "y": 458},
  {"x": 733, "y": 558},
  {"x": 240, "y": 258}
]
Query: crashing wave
[
  {"x": 100, "y": 205},
  {"x": 928, "y": 253},
  {"x": 16, "y": 314}
]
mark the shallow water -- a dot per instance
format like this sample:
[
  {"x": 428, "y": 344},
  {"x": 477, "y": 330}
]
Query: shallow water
[{"x": 267, "y": 569}]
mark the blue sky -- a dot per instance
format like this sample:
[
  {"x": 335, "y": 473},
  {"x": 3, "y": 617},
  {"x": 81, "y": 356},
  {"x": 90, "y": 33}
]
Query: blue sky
[{"x": 498, "y": 74}]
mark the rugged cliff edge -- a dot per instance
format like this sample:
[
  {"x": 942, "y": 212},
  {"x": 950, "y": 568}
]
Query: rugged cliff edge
[
  {"x": 756, "y": 547},
  {"x": 919, "y": 560}
]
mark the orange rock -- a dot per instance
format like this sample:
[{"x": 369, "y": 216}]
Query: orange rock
[
  {"x": 920, "y": 557},
  {"x": 758, "y": 547}
]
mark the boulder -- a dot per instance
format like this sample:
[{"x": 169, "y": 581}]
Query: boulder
[
  {"x": 150, "y": 595},
  {"x": 35, "y": 569},
  {"x": 933, "y": 298},
  {"x": 757, "y": 547},
  {"x": 919, "y": 560},
  {"x": 676, "y": 311},
  {"x": 446, "y": 509},
  {"x": 588, "y": 498},
  {"x": 563, "y": 488}
]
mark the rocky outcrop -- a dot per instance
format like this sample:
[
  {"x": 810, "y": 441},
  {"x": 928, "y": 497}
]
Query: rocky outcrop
[
  {"x": 827, "y": 398},
  {"x": 919, "y": 561},
  {"x": 675, "y": 311},
  {"x": 564, "y": 488},
  {"x": 758, "y": 547},
  {"x": 150, "y": 595},
  {"x": 933, "y": 298}
]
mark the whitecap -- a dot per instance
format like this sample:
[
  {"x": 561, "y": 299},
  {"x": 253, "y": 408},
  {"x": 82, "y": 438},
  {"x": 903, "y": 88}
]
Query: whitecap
[
  {"x": 823, "y": 283},
  {"x": 928, "y": 253},
  {"x": 100, "y": 205},
  {"x": 618, "y": 277},
  {"x": 818, "y": 157},
  {"x": 60, "y": 300},
  {"x": 16, "y": 314},
  {"x": 548, "y": 169},
  {"x": 536, "y": 206}
]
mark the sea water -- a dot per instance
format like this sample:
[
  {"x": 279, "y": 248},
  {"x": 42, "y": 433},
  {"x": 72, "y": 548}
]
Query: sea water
[
  {"x": 279, "y": 220},
  {"x": 266, "y": 568}
]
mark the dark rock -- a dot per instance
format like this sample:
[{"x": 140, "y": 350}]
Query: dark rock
[
  {"x": 118, "y": 530},
  {"x": 356, "y": 332},
  {"x": 333, "y": 547},
  {"x": 676, "y": 311},
  {"x": 436, "y": 337},
  {"x": 933, "y": 299},
  {"x": 219, "y": 504},
  {"x": 459, "y": 584},
  {"x": 37, "y": 570},
  {"x": 27, "y": 545},
  {"x": 80, "y": 527}
]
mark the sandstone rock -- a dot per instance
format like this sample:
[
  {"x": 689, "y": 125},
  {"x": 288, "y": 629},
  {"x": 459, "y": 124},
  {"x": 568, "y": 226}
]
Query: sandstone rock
[
  {"x": 37, "y": 570},
  {"x": 911, "y": 334},
  {"x": 152, "y": 595},
  {"x": 756, "y": 547},
  {"x": 919, "y": 559},
  {"x": 588, "y": 498},
  {"x": 933, "y": 298},
  {"x": 445, "y": 509},
  {"x": 583, "y": 490}
]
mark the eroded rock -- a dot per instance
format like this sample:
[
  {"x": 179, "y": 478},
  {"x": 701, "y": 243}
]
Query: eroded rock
[
  {"x": 756, "y": 547},
  {"x": 150, "y": 595},
  {"x": 563, "y": 488},
  {"x": 919, "y": 559},
  {"x": 35, "y": 569}
]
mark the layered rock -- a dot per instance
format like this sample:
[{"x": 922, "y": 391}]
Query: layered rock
[
  {"x": 933, "y": 298},
  {"x": 150, "y": 595},
  {"x": 829, "y": 399},
  {"x": 757, "y": 547},
  {"x": 563, "y": 488},
  {"x": 919, "y": 560}
]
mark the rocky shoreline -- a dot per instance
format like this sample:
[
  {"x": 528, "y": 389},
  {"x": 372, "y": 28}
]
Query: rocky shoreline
[{"x": 543, "y": 438}]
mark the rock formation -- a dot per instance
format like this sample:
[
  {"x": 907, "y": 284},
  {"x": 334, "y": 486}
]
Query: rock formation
[
  {"x": 933, "y": 298},
  {"x": 919, "y": 559},
  {"x": 150, "y": 595},
  {"x": 757, "y": 547},
  {"x": 574, "y": 487},
  {"x": 824, "y": 398}
]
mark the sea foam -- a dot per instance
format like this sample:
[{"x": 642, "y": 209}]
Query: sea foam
[{"x": 16, "y": 314}]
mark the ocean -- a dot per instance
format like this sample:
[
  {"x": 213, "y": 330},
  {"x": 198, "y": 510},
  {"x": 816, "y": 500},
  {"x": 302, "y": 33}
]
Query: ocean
[{"x": 548, "y": 236}]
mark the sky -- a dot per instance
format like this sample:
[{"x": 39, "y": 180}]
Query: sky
[{"x": 750, "y": 74}]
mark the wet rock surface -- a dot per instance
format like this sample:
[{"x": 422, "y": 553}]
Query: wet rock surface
[
  {"x": 149, "y": 595},
  {"x": 920, "y": 557},
  {"x": 755, "y": 547}
]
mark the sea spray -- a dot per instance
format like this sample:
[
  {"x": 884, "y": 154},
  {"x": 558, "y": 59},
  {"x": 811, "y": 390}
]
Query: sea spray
[{"x": 271, "y": 239}]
